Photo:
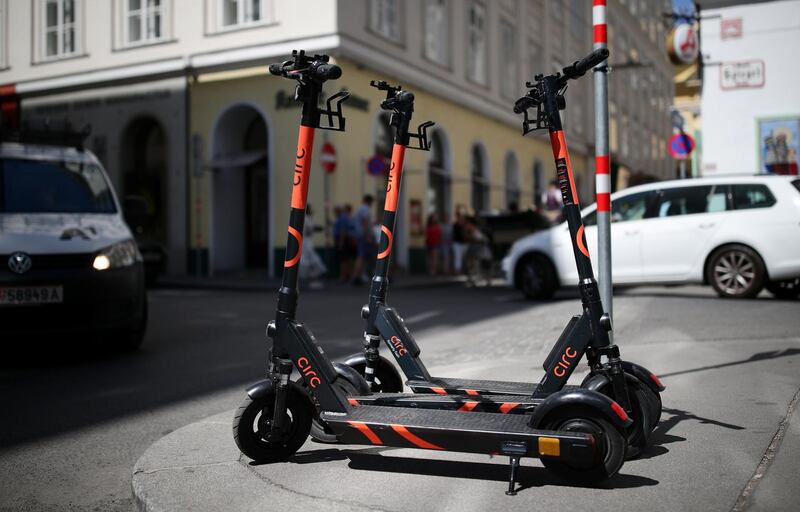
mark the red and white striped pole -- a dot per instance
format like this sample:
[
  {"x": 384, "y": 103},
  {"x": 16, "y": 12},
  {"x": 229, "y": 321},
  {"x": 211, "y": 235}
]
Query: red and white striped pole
[{"x": 601, "y": 159}]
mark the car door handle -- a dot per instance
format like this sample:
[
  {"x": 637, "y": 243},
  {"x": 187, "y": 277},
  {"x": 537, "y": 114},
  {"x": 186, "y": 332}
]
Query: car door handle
[
  {"x": 631, "y": 233},
  {"x": 706, "y": 225}
]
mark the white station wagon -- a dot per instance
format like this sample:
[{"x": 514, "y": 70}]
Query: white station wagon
[{"x": 738, "y": 234}]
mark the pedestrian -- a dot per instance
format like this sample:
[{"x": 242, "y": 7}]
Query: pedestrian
[
  {"x": 312, "y": 268},
  {"x": 345, "y": 242},
  {"x": 446, "y": 248},
  {"x": 459, "y": 239},
  {"x": 552, "y": 202},
  {"x": 433, "y": 242},
  {"x": 366, "y": 246}
]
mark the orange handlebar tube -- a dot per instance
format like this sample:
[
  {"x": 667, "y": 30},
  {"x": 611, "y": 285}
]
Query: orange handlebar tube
[
  {"x": 302, "y": 167},
  {"x": 395, "y": 174}
]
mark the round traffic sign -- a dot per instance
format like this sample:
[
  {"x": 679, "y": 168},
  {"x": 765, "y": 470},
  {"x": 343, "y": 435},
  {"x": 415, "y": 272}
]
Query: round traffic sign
[
  {"x": 681, "y": 146},
  {"x": 682, "y": 44},
  {"x": 376, "y": 165},
  {"x": 328, "y": 157}
]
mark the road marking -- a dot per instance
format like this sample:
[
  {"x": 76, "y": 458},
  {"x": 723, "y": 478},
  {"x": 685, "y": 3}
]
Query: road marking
[{"x": 769, "y": 456}]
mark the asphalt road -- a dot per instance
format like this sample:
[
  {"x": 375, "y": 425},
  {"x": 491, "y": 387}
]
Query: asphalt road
[{"x": 75, "y": 421}]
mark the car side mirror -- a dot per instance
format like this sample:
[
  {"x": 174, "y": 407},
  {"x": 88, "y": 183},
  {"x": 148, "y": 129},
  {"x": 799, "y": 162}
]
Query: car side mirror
[{"x": 135, "y": 210}]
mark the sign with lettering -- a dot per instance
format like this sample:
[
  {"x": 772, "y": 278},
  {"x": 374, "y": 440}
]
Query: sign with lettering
[
  {"x": 749, "y": 74},
  {"x": 731, "y": 28}
]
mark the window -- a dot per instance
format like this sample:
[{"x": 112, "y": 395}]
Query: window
[
  {"x": 60, "y": 27},
  {"x": 237, "y": 13},
  {"x": 480, "y": 185},
  {"x": 632, "y": 207},
  {"x": 143, "y": 21},
  {"x": 384, "y": 18},
  {"x": 508, "y": 47},
  {"x": 690, "y": 200},
  {"x": 437, "y": 35},
  {"x": 513, "y": 192},
  {"x": 38, "y": 186},
  {"x": 751, "y": 196},
  {"x": 476, "y": 43}
]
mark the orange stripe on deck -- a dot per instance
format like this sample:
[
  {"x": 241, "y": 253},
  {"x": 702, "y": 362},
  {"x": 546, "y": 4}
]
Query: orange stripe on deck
[
  {"x": 472, "y": 392},
  {"x": 468, "y": 406},
  {"x": 416, "y": 441},
  {"x": 353, "y": 401},
  {"x": 439, "y": 391},
  {"x": 360, "y": 425},
  {"x": 507, "y": 407}
]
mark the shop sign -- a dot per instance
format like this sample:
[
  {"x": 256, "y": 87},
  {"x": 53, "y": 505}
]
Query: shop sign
[
  {"x": 731, "y": 28},
  {"x": 749, "y": 74},
  {"x": 682, "y": 44}
]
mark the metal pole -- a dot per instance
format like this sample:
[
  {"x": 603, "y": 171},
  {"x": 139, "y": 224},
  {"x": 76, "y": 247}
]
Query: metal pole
[{"x": 602, "y": 164}]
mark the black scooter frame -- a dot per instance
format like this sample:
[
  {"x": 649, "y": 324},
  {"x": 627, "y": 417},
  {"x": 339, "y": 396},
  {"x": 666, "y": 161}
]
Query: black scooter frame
[{"x": 295, "y": 346}]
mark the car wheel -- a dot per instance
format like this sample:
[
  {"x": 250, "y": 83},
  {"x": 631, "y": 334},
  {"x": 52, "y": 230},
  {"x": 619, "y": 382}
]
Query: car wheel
[
  {"x": 786, "y": 289},
  {"x": 736, "y": 271},
  {"x": 536, "y": 277}
]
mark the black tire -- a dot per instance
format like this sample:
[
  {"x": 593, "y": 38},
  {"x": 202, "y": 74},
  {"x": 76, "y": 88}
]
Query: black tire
[
  {"x": 786, "y": 289},
  {"x": 320, "y": 431},
  {"x": 132, "y": 338},
  {"x": 736, "y": 271},
  {"x": 642, "y": 410},
  {"x": 654, "y": 405},
  {"x": 387, "y": 378},
  {"x": 610, "y": 446},
  {"x": 252, "y": 420},
  {"x": 536, "y": 277}
]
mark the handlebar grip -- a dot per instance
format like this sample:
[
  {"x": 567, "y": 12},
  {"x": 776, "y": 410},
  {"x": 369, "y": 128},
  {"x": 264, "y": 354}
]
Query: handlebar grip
[
  {"x": 328, "y": 71},
  {"x": 276, "y": 69},
  {"x": 580, "y": 67}
]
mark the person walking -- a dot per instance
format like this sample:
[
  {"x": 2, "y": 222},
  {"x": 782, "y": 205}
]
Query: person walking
[
  {"x": 459, "y": 240},
  {"x": 433, "y": 242},
  {"x": 366, "y": 246},
  {"x": 446, "y": 247},
  {"x": 345, "y": 241},
  {"x": 552, "y": 203}
]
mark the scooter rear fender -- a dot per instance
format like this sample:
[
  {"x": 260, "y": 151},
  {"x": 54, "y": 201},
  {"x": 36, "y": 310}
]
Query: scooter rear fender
[{"x": 578, "y": 399}]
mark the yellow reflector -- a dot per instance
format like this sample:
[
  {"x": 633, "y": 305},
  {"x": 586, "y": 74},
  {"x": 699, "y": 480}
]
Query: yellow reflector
[{"x": 549, "y": 446}]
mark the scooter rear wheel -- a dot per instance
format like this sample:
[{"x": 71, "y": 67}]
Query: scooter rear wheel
[
  {"x": 387, "y": 379},
  {"x": 253, "y": 418},
  {"x": 320, "y": 432},
  {"x": 610, "y": 445}
]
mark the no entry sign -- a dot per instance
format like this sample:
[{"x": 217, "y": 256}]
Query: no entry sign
[
  {"x": 681, "y": 146},
  {"x": 376, "y": 165},
  {"x": 328, "y": 157}
]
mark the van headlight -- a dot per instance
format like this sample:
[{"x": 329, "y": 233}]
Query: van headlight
[{"x": 122, "y": 254}]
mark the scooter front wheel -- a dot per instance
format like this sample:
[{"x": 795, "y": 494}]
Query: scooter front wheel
[
  {"x": 610, "y": 446},
  {"x": 253, "y": 421},
  {"x": 320, "y": 432}
]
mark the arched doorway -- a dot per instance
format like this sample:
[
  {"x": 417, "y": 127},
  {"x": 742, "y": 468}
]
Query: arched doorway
[
  {"x": 240, "y": 189},
  {"x": 479, "y": 179},
  {"x": 513, "y": 192},
  {"x": 144, "y": 158},
  {"x": 439, "y": 176}
]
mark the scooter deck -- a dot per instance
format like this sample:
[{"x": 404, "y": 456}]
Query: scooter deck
[
  {"x": 494, "y": 434},
  {"x": 504, "y": 404},
  {"x": 473, "y": 387}
]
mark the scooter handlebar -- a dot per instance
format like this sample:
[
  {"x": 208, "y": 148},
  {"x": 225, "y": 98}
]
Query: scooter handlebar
[
  {"x": 578, "y": 68},
  {"x": 326, "y": 71},
  {"x": 401, "y": 99},
  {"x": 317, "y": 70}
]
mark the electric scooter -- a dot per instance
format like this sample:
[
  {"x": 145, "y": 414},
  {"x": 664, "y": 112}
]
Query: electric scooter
[
  {"x": 578, "y": 434},
  {"x": 628, "y": 383}
]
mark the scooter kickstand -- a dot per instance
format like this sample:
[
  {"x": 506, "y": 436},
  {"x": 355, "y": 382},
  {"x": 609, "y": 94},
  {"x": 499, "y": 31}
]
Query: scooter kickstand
[{"x": 512, "y": 475}]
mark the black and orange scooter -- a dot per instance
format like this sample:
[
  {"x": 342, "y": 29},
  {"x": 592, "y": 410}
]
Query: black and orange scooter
[
  {"x": 578, "y": 434},
  {"x": 629, "y": 384}
]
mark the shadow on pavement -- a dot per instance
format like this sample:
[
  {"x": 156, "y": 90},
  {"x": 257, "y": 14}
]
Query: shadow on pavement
[
  {"x": 760, "y": 356},
  {"x": 528, "y": 477}
]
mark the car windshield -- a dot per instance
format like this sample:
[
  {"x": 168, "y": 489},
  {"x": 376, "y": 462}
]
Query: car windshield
[{"x": 39, "y": 186}]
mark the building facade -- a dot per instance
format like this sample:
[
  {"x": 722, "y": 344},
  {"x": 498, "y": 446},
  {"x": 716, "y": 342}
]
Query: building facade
[
  {"x": 750, "y": 101},
  {"x": 184, "y": 113}
]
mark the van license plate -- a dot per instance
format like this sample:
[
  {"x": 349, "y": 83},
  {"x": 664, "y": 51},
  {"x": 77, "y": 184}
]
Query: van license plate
[{"x": 22, "y": 295}]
